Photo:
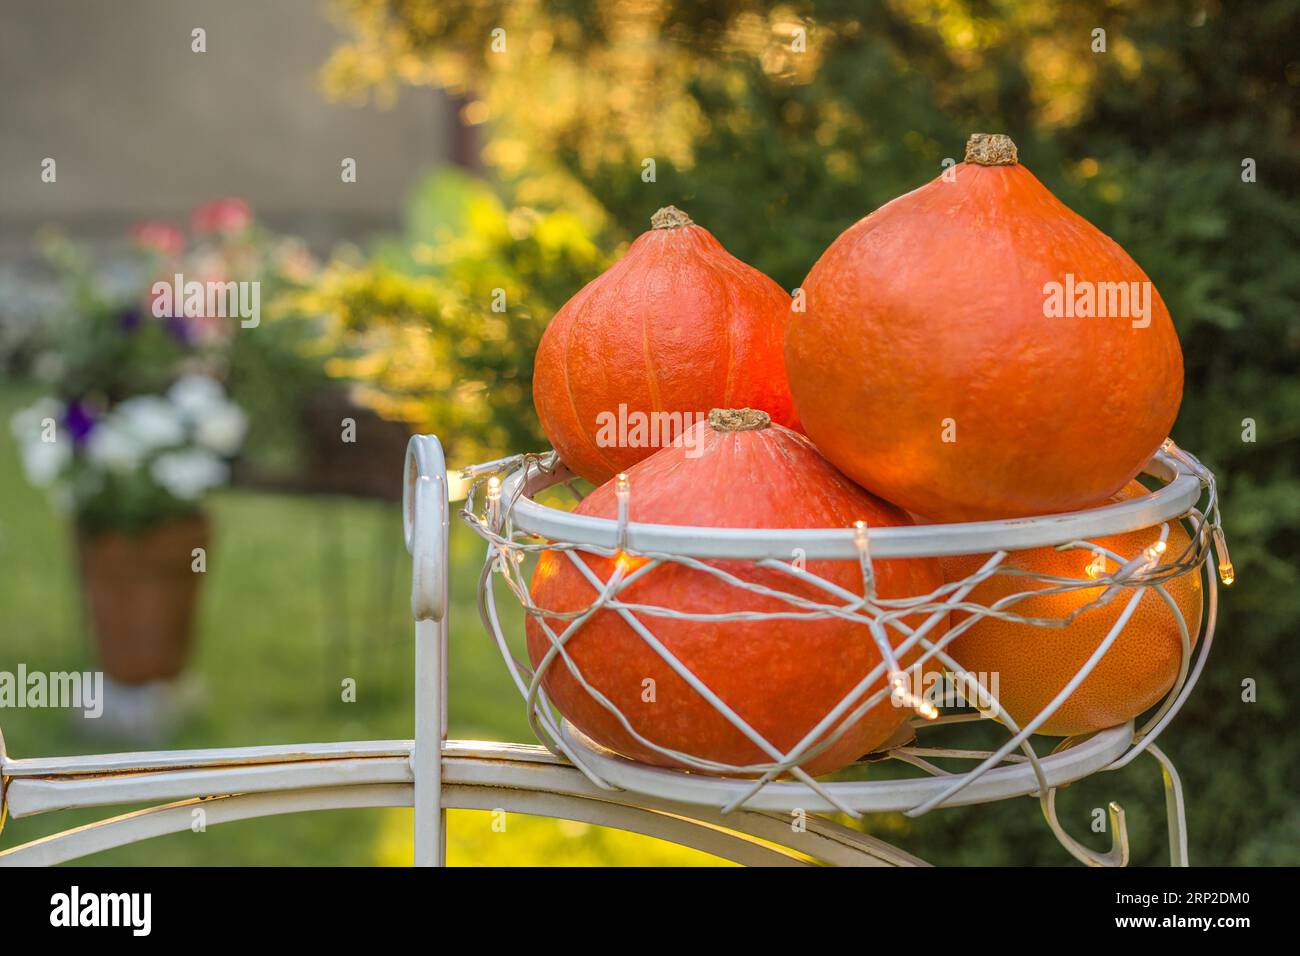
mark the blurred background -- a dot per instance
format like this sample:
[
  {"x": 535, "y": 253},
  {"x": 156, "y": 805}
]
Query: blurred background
[{"x": 383, "y": 167}]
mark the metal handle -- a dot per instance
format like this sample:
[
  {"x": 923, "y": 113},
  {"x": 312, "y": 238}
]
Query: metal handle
[{"x": 425, "y": 526}]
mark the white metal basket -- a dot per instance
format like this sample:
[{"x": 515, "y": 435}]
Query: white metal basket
[{"x": 515, "y": 525}]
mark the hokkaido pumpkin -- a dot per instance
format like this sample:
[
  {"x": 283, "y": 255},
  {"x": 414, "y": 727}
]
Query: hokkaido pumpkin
[
  {"x": 976, "y": 350},
  {"x": 782, "y": 676},
  {"x": 1034, "y": 663},
  {"x": 674, "y": 328}
]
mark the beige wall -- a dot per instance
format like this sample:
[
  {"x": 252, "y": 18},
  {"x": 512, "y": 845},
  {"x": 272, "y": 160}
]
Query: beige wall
[{"x": 141, "y": 126}]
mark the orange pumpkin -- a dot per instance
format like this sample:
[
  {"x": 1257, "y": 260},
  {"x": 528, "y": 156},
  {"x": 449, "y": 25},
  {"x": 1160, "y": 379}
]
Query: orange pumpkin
[
  {"x": 674, "y": 328},
  {"x": 1034, "y": 663},
  {"x": 737, "y": 470},
  {"x": 937, "y": 313}
]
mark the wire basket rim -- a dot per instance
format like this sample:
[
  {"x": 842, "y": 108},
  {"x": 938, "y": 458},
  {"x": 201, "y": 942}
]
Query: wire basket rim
[
  {"x": 1180, "y": 492},
  {"x": 1090, "y": 754}
]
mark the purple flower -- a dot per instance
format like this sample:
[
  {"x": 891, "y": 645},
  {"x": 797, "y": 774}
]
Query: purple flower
[
  {"x": 180, "y": 329},
  {"x": 128, "y": 320},
  {"x": 79, "y": 421}
]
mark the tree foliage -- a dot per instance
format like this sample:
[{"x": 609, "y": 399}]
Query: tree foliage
[{"x": 777, "y": 126}]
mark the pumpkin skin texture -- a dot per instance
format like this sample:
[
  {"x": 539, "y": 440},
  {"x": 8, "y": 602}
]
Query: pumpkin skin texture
[
  {"x": 782, "y": 676},
  {"x": 1034, "y": 663},
  {"x": 678, "y": 325},
  {"x": 932, "y": 309}
]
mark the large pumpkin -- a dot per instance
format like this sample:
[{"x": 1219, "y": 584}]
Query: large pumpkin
[
  {"x": 946, "y": 360},
  {"x": 676, "y": 327},
  {"x": 1034, "y": 663},
  {"x": 782, "y": 676}
]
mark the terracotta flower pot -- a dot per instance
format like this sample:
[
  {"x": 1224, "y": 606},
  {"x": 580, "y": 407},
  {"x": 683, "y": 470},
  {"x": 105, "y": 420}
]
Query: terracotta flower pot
[{"x": 142, "y": 594}]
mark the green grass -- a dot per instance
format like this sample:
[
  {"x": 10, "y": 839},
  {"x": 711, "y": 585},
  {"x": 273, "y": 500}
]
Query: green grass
[{"x": 300, "y": 594}]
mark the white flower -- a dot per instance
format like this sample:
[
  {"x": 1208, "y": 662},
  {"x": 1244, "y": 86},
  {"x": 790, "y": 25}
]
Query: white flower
[
  {"x": 187, "y": 474},
  {"x": 219, "y": 424},
  {"x": 222, "y": 429},
  {"x": 44, "y": 460},
  {"x": 196, "y": 395},
  {"x": 114, "y": 448},
  {"x": 151, "y": 421},
  {"x": 28, "y": 424}
]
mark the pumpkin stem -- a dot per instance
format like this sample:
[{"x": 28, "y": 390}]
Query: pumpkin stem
[
  {"x": 991, "y": 149},
  {"x": 738, "y": 419},
  {"x": 670, "y": 217}
]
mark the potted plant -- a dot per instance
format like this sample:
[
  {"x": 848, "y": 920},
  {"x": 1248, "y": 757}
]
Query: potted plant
[
  {"x": 138, "y": 427},
  {"x": 133, "y": 475}
]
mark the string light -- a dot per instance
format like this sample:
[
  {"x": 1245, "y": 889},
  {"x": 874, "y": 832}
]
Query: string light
[
  {"x": 1226, "y": 573},
  {"x": 493, "y": 501},
  {"x": 627, "y": 563},
  {"x": 1151, "y": 557},
  {"x": 493, "y": 518},
  {"x": 1134, "y": 567},
  {"x": 862, "y": 541},
  {"x": 1097, "y": 566},
  {"x": 622, "y": 493},
  {"x": 904, "y": 697}
]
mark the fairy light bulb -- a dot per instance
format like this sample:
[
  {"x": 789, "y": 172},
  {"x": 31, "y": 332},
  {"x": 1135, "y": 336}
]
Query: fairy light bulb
[
  {"x": 862, "y": 541},
  {"x": 1097, "y": 566},
  {"x": 622, "y": 492},
  {"x": 493, "y": 500},
  {"x": 1226, "y": 572},
  {"x": 904, "y": 697}
]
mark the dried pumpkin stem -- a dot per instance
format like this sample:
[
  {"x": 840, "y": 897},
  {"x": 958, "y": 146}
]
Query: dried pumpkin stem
[
  {"x": 738, "y": 419},
  {"x": 670, "y": 217},
  {"x": 991, "y": 149}
]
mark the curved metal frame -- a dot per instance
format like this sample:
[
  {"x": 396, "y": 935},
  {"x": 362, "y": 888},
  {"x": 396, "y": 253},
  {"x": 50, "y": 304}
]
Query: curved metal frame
[{"x": 241, "y": 784}]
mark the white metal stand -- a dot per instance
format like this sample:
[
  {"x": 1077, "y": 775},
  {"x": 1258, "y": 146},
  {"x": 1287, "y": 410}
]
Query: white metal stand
[
  {"x": 425, "y": 522},
  {"x": 729, "y": 818}
]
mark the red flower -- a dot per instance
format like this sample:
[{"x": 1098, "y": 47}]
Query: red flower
[
  {"x": 222, "y": 215},
  {"x": 161, "y": 237}
]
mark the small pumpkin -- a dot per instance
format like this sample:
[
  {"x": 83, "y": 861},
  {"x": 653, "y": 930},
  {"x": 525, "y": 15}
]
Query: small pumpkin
[
  {"x": 674, "y": 328},
  {"x": 938, "y": 312},
  {"x": 782, "y": 676},
  {"x": 1034, "y": 663}
]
